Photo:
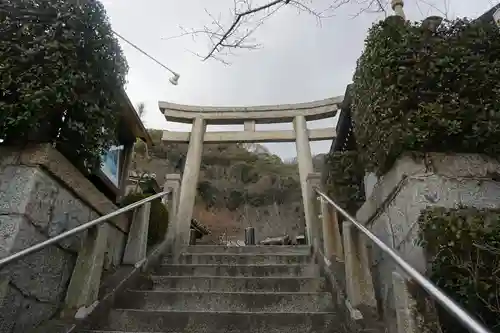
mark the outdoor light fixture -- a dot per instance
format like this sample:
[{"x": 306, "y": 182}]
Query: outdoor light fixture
[{"x": 175, "y": 79}]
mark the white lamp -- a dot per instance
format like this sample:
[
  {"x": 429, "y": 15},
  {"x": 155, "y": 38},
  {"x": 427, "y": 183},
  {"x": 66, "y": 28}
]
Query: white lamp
[{"x": 175, "y": 79}]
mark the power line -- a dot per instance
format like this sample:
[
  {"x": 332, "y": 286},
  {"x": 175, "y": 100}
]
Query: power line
[{"x": 143, "y": 52}]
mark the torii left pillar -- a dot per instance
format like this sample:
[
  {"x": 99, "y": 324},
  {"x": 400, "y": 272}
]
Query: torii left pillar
[
  {"x": 304, "y": 158},
  {"x": 189, "y": 183}
]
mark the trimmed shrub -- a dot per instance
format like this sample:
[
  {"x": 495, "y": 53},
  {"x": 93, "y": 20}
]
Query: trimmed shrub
[
  {"x": 463, "y": 250},
  {"x": 62, "y": 75},
  {"x": 343, "y": 176},
  {"x": 158, "y": 218},
  {"x": 415, "y": 90}
]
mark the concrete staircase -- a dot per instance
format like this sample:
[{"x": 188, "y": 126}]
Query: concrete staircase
[{"x": 228, "y": 289}]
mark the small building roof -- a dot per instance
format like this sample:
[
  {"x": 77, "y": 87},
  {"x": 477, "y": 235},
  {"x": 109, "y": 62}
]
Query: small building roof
[
  {"x": 345, "y": 138},
  {"x": 133, "y": 120},
  {"x": 488, "y": 16}
]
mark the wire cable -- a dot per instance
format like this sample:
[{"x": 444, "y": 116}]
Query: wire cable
[
  {"x": 144, "y": 52},
  {"x": 27, "y": 12}
]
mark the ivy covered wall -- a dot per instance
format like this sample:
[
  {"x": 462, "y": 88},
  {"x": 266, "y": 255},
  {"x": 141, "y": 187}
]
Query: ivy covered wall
[
  {"x": 343, "y": 176},
  {"x": 463, "y": 251},
  {"x": 419, "y": 90}
]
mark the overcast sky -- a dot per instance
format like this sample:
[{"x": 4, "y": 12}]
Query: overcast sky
[{"x": 300, "y": 61}]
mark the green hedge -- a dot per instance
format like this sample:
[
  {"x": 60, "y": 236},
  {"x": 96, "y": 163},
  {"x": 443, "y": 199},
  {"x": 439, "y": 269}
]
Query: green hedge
[
  {"x": 427, "y": 92},
  {"x": 343, "y": 176},
  {"x": 463, "y": 249},
  {"x": 158, "y": 218},
  {"x": 62, "y": 71}
]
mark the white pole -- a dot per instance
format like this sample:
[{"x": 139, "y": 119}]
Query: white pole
[{"x": 397, "y": 7}]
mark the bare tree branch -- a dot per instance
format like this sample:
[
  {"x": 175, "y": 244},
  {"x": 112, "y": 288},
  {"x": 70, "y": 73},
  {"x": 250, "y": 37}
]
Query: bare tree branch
[
  {"x": 238, "y": 34},
  {"x": 367, "y": 6},
  {"x": 141, "y": 110},
  {"x": 243, "y": 25},
  {"x": 191, "y": 33},
  {"x": 444, "y": 11},
  {"x": 236, "y": 23}
]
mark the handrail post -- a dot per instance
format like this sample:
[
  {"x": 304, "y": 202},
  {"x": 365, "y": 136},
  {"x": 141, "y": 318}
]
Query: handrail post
[
  {"x": 326, "y": 224},
  {"x": 359, "y": 283},
  {"x": 404, "y": 304},
  {"x": 315, "y": 224},
  {"x": 83, "y": 288},
  {"x": 332, "y": 240},
  {"x": 137, "y": 241},
  {"x": 172, "y": 183}
]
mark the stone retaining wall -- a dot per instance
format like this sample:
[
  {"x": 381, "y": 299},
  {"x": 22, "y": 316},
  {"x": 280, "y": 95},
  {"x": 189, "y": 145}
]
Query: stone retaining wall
[
  {"x": 393, "y": 208},
  {"x": 34, "y": 206},
  {"x": 269, "y": 221}
]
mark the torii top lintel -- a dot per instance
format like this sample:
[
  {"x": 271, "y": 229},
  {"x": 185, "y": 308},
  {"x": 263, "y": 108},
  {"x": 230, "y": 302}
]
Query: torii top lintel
[{"x": 283, "y": 113}]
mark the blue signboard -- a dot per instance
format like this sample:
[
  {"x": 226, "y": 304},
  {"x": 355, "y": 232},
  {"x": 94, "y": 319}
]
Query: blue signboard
[{"x": 111, "y": 164}]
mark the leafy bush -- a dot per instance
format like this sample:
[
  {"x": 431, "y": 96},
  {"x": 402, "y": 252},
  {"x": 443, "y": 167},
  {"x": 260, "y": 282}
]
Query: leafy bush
[
  {"x": 415, "y": 90},
  {"x": 463, "y": 249},
  {"x": 343, "y": 176},
  {"x": 236, "y": 198},
  {"x": 158, "y": 217},
  {"x": 209, "y": 193},
  {"x": 62, "y": 72}
]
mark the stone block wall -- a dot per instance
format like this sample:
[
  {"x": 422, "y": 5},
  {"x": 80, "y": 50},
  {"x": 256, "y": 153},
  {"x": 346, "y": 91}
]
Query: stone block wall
[
  {"x": 269, "y": 221},
  {"x": 393, "y": 208},
  {"x": 35, "y": 206}
]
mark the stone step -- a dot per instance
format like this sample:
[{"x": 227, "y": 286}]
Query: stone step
[
  {"x": 257, "y": 249},
  {"x": 219, "y": 322},
  {"x": 236, "y": 284},
  {"x": 308, "y": 270},
  {"x": 240, "y": 259},
  {"x": 225, "y": 301}
]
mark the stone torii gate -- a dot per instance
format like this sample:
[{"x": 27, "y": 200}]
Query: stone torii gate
[{"x": 200, "y": 117}]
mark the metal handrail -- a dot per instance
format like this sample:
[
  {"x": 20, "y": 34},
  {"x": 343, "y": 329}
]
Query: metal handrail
[
  {"x": 446, "y": 302},
  {"x": 37, "y": 247}
]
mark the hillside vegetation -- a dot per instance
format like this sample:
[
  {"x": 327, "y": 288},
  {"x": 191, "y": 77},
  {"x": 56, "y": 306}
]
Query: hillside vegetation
[{"x": 240, "y": 185}]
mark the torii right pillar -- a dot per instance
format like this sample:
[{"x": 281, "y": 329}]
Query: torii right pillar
[{"x": 304, "y": 158}]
